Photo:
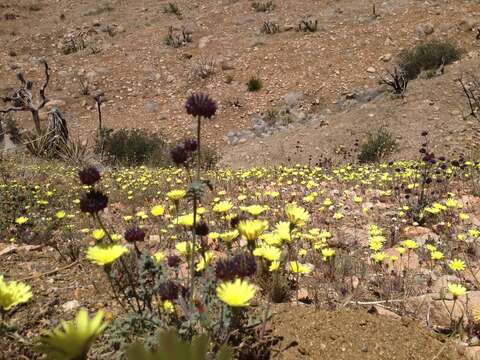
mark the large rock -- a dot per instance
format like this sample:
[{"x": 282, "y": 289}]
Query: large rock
[
  {"x": 423, "y": 30},
  {"x": 420, "y": 234}
]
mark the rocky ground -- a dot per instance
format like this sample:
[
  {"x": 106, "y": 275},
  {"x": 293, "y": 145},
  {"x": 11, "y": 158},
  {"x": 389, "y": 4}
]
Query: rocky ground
[{"x": 327, "y": 79}]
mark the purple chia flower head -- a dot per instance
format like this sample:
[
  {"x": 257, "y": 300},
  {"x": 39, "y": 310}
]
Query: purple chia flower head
[
  {"x": 93, "y": 201},
  {"x": 173, "y": 261},
  {"x": 201, "y": 105},
  {"x": 202, "y": 229},
  {"x": 240, "y": 265},
  {"x": 89, "y": 175},
  {"x": 134, "y": 234},
  {"x": 179, "y": 155},
  {"x": 168, "y": 290},
  {"x": 190, "y": 145}
]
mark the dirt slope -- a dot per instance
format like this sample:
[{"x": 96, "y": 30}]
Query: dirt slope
[{"x": 147, "y": 81}]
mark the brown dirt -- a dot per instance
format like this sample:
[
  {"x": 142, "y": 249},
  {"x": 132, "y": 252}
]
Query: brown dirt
[
  {"x": 135, "y": 67},
  {"x": 350, "y": 335}
]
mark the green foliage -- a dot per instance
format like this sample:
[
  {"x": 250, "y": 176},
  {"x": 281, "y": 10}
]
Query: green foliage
[
  {"x": 254, "y": 84},
  {"x": 171, "y": 346},
  {"x": 263, "y": 6},
  {"x": 172, "y": 8},
  {"x": 309, "y": 25},
  {"x": 377, "y": 145},
  {"x": 427, "y": 56},
  {"x": 12, "y": 128},
  {"x": 133, "y": 147}
]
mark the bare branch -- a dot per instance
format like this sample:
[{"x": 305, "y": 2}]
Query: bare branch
[
  {"x": 12, "y": 109},
  {"x": 43, "y": 98}
]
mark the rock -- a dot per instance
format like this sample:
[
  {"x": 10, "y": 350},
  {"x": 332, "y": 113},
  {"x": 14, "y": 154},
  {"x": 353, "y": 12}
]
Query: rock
[
  {"x": 420, "y": 234},
  {"x": 293, "y": 98},
  {"x": 469, "y": 23},
  {"x": 433, "y": 306},
  {"x": 386, "y": 57},
  {"x": 440, "y": 284},
  {"x": 472, "y": 353},
  {"x": 371, "y": 70},
  {"x": 423, "y": 30},
  {"x": 70, "y": 305},
  {"x": 379, "y": 310},
  {"x": 406, "y": 262},
  {"x": 204, "y": 41},
  {"x": 152, "y": 106},
  {"x": 103, "y": 71},
  {"x": 90, "y": 76},
  {"x": 154, "y": 239},
  {"x": 474, "y": 341}
]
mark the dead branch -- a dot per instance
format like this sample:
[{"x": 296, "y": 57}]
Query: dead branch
[{"x": 22, "y": 98}]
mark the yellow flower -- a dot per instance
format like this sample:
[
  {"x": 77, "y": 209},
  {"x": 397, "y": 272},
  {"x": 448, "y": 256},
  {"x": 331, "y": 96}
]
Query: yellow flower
[
  {"x": 401, "y": 250},
  {"x": 457, "y": 265},
  {"x": 436, "y": 255},
  {"x": 229, "y": 236},
  {"x": 251, "y": 229},
  {"x": 72, "y": 339},
  {"x": 451, "y": 203},
  {"x": 357, "y": 199},
  {"x": 274, "y": 265},
  {"x": 456, "y": 290},
  {"x": 463, "y": 216},
  {"x": 105, "y": 255},
  {"x": 299, "y": 268},
  {"x": 254, "y": 210},
  {"x": 21, "y": 220},
  {"x": 338, "y": 216},
  {"x": 236, "y": 293},
  {"x": 327, "y": 253},
  {"x": 222, "y": 207},
  {"x": 13, "y": 293},
  {"x": 157, "y": 210},
  {"x": 116, "y": 237},
  {"x": 176, "y": 195},
  {"x": 327, "y": 202},
  {"x": 204, "y": 261},
  {"x": 98, "y": 234},
  {"x": 282, "y": 231},
  {"x": 184, "y": 248},
  {"x": 187, "y": 220},
  {"x": 268, "y": 252},
  {"x": 168, "y": 306},
  {"x": 60, "y": 214},
  {"x": 474, "y": 233},
  {"x": 296, "y": 215},
  {"x": 431, "y": 247},
  {"x": 379, "y": 257},
  {"x": 376, "y": 243},
  {"x": 409, "y": 244},
  {"x": 159, "y": 256}
]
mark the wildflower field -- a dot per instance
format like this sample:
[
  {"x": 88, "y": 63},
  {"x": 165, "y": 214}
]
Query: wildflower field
[{"x": 125, "y": 246}]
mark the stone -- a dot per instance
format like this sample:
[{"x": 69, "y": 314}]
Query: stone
[
  {"x": 293, "y": 98},
  {"x": 472, "y": 353},
  {"x": 70, "y": 305},
  {"x": 469, "y": 23},
  {"x": 420, "y": 234},
  {"x": 204, "y": 41},
  {"x": 386, "y": 57},
  {"x": 423, "y": 30},
  {"x": 371, "y": 70},
  {"x": 152, "y": 106}
]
